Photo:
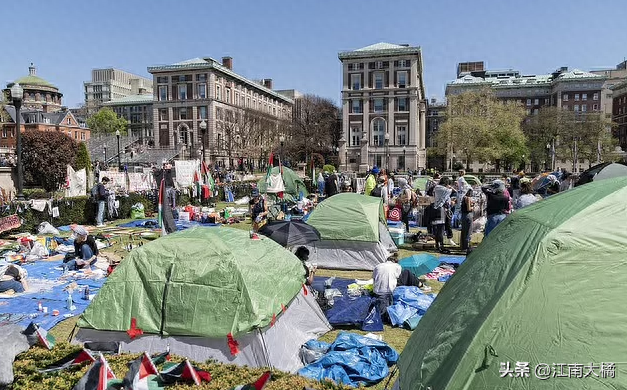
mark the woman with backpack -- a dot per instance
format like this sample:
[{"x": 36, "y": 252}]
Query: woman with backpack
[
  {"x": 405, "y": 201},
  {"x": 381, "y": 191}
]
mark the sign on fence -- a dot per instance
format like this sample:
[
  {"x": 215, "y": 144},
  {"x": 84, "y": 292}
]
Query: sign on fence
[{"x": 9, "y": 223}]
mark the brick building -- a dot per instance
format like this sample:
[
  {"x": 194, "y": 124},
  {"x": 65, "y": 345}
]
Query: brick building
[
  {"x": 619, "y": 114},
  {"x": 383, "y": 108},
  {"x": 203, "y": 89},
  {"x": 39, "y": 94}
]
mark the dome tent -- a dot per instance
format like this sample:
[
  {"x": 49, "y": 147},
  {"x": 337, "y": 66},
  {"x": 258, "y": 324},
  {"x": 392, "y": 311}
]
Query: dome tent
[
  {"x": 194, "y": 289},
  {"x": 353, "y": 234},
  {"x": 537, "y": 290},
  {"x": 602, "y": 171}
]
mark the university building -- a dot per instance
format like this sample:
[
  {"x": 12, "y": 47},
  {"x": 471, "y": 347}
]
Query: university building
[
  {"x": 111, "y": 84},
  {"x": 619, "y": 114},
  {"x": 199, "y": 90},
  {"x": 383, "y": 108}
]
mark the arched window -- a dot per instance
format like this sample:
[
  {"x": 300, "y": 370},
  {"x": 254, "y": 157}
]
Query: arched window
[{"x": 378, "y": 131}]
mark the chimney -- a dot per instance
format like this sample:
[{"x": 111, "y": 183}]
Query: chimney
[
  {"x": 267, "y": 83},
  {"x": 227, "y": 62},
  {"x": 32, "y": 71},
  {"x": 135, "y": 86}
]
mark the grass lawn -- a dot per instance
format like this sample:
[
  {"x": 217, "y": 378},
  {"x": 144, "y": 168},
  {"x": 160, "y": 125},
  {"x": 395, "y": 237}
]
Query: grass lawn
[{"x": 225, "y": 376}]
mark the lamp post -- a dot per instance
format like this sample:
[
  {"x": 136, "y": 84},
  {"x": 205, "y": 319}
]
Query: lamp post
[
  {"x": 16, "y": 95},
  {"x": 387, "y": 154},
  {"x": 105, "y": 154},
  {"x": 117, "y": 134},
  {"x": 281, "y": 140},
  {"x": 548, "y": 154},
  {"x": 404, "y": 160},
  {"x": 203, "y": 130},
  {"x": 346, "y": 159}
]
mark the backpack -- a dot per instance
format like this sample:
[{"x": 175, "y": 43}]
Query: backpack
[{"x": 376, "y": 192}]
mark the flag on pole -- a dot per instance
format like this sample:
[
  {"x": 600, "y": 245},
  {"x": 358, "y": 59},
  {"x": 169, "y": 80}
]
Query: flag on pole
[
  {"x": 141, "y": 374},
  {"x": 39, "y": 335},
  {"x": 270, "y": 166},
  {"x": 184, "y": 372},
  {"x": 73, "y": 359},
  {"x": 161, "y": 358},
  {"x": 258, "y": 385},
  {"x": 198, "y": 183},
  {"x": 97, "y": 377},
  {"x": 161, "y": 200}
]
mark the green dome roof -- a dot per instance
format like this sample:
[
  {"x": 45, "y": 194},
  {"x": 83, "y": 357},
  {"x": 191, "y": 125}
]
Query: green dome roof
[{"x": 34, "y": 81}]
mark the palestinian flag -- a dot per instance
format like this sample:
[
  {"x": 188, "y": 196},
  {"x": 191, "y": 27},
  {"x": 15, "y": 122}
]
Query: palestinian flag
[
  {"x": 258, "y": 385},
  {"x": 161, "y": 200},
  {"x": 161, "y": 358},
  {"x": 36, "y": 334},
  {"x": 140, "y": 373},
  {"x": 97, "y": 377},
  {"x": 270, "y": 166},
  {"x": 73, "y": 359},
  {"x": 198, "y": 183},
  {"x": 183, "y": 372}
]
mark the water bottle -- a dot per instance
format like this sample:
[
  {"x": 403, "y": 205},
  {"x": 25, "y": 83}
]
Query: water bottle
[
  {"x": 70, "y": 302},
  {"x": 86, "y": 293}
]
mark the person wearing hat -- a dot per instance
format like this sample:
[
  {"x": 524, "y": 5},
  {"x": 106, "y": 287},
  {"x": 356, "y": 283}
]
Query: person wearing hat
[
  {"x": 85, "y": 249},
  {"x": 498, "y": 204},
  {"x": 258, "y": 210},
  {"x": 12, "y": 277},
  {"x": 101, "y": 198},
  {"x": 371, "y": 180}
]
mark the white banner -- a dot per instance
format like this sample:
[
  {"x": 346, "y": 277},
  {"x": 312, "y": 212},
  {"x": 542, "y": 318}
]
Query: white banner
[
  {"x": 76, "y": 182},
  {"x": 184, "y": 170},
  {"x": 141, "y": 181},
  {"x": 116, "y": 179}
]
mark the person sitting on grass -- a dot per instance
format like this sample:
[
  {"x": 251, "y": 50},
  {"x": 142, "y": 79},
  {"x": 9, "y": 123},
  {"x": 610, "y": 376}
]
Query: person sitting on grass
[
  {"x": 13, "y": 278},
  {"x": 386, "y": 277},
  {"x": 85, "y": 250}
]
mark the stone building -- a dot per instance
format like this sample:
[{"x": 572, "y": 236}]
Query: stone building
[
  {"x": 137, "y": 110},
  {"x": 383, "y": 108},
  {"x": 205, "y": 90},
  {"x": 111, "y": 84},
  {"x": 39, "y": 94},
  {"x": 619, "y": 115}
]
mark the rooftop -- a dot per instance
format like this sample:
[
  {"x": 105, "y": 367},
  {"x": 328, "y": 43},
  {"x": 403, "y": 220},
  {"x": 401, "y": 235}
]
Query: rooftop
[
  {"x": 32, "y": 79},
  {"x": 210, "y": 63},
  {"x": 144, "y": 98},
  {"x": 380, "y": 49},
  {"x": 578, "y": 74}
]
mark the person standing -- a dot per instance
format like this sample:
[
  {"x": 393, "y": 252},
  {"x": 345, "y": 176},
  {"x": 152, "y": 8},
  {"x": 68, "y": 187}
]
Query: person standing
[
  {"x": 406, "y": 201},
  {"x": 101, "y": 198},
  {"x": 466, "y": 209},
  {"x": 371, "y": 180},
  {"x": 527, "y": 197},
  {"x": 391, "y": 184},
  {"x": 320, "y": 184},
  {"x": 440, "y": 209},
  {"x": 498, "y": 204},
  {"x": 332, "y": 185}
]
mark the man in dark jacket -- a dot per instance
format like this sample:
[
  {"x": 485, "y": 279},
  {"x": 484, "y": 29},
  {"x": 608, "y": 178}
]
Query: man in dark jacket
[
  {"x": 101, "y": 198},
  {"x": 85, "y": 249}
]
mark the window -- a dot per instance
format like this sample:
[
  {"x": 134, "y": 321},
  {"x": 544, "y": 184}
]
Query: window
[
  {"x": 378, "y": 160},
  {"x": 402, "y": 104},
  {"x": 182, "y": 91},
  {"x": 355, "y": 136},
  {"x": 202, "y": 112},
  {"x": 356, "y": 82},
  {"x": 584, "y": 107},
  {"x": 182, "y": 113},
  {"x": 218, "y": 93},
  {"x": 595, "y": 107},
  {"x": 247, "y": 102},
  {"x": 163, "y": 93},
  {"x": 163, "y": 114},
  {"x": 536, "y": 102},
  {"x": 162, "y": 79},
  {"x": 228, "y": 95},
  {"x": 565, "y": 97},
  {"x": 576, "y": 107},
  {"x": 401, "y": 79},
  {"x": 219, "y": 114},
  {"x": 529, "y": 111},
  {"x": 201, "y": 77},
  {"x": 528, "y": 102},
  {"x": 76, "y": 135},
  {"x": 378, "y": 105},
  {"x": 379, "y": 64},
  {"x": 403, "y": 63},
  {"x": 576, "y": 97},
  {"x": 236, "y": 99},
  {"x": 401, "y": 135},
  {"x": 595, "y": 96},
  {"x": 4, "y": 133},
  {"x": 378, "y": 132},
  {"x": 69, "y": 121},
  {"x": 202, "y": 91},
  {"x": 82, "y": 136},
  {"x": 535, "y": 111},
  {"x": 401, "y": 162},
  {"x": 565, "y": 107},
  {"x": 356, "y": 106},
  {"x": 584, "y": 96},
  {"x": 378, "y": 80}
]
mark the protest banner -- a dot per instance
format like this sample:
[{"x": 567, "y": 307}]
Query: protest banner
[{"x": 9, "y": 223}]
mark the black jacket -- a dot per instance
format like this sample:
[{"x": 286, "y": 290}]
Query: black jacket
[{"x": 78, "y": 247}]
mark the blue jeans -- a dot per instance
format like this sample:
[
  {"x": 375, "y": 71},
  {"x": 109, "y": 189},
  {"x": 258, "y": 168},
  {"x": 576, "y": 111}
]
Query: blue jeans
[
  {"x": 492, "y": 221},
  {"x": 11, "y": 285},
  {"x": 321, "y": 188},
  {"x": 383, "y": 301},
  {"x": 101, "y": 210},
  {"x": 87, "y": 253}
]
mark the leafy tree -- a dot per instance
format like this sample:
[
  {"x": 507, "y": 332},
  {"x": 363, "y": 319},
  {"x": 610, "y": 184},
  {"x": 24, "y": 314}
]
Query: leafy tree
[
  {"x": 45, "y": 156},
  {"x": 82, "y": 158},
  {"x": 479, "y": 126},
  {"x": 106, "y": 121}
]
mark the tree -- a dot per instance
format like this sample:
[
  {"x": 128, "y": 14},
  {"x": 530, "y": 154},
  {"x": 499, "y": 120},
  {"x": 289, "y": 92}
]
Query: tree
[
  {"x": 46, "y": 155},
  {"x": 315, "y": 127},
  {"x": 82, "y": 158},
  {"x": 106, "y": 121},
  {"x": 479, "y": 126},
  {"x": 242, "y": 130}
]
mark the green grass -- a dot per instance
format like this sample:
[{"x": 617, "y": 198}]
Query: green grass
[{"x": 225, "y": 376}]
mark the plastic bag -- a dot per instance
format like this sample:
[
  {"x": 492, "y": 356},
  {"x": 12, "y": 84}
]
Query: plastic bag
[{"x": 47, "y": 228}]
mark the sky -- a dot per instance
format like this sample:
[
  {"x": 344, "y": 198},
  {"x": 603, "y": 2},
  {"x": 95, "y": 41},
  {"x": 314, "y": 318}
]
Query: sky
[{"x": 296, "y": 42}]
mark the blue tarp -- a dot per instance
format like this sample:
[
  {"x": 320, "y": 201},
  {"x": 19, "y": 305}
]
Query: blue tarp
[
  {"x": 347, "y": 310},
  {"x": 352, "y": 360},
  {"x": 454, "y": 260},
  {"x": 152, "y": 223},
  {"x": 409, "y": 302},
  {"x": 22, "y": 309}
]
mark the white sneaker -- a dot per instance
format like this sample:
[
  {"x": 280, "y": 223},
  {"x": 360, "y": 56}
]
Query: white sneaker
[
  {"x": 450, "y": 240},
  {"x": 99, "y": 226}
]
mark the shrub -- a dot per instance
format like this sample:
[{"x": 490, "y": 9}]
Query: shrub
[
  {"x": 45, "y": 156},
  {"x": 328, "y": 168},
  {"x": 82, "y": 158}
]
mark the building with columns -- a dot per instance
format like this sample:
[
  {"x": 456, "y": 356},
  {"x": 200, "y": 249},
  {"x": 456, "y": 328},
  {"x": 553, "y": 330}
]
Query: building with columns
[
  {"x": 206, "y": 90},
  {"x": 383, "y": 108}
]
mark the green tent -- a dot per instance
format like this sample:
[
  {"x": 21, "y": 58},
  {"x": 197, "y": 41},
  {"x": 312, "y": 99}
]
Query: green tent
[
  {"x": 294, "y": 185},
  {"x": 199, "y": 282},
  {"x": 348, "y": 216},
  {"x": 547, "y": 287}
]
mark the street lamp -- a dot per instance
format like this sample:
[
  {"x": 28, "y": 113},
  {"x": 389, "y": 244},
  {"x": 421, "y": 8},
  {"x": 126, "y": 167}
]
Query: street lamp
[
  {"x": 346, "y": 159},
  {"x": 117, "y": 134},
  {"x": 549, "y": 157},
  {"x": 16, "y": 94},
  {"x": 404, "y": 160},
  {"x": 105, "y": 154},
  {"x": 387, "y": 157},
  {"x": 203, "y": 130},
  {"x": 281, "y": 140}
]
